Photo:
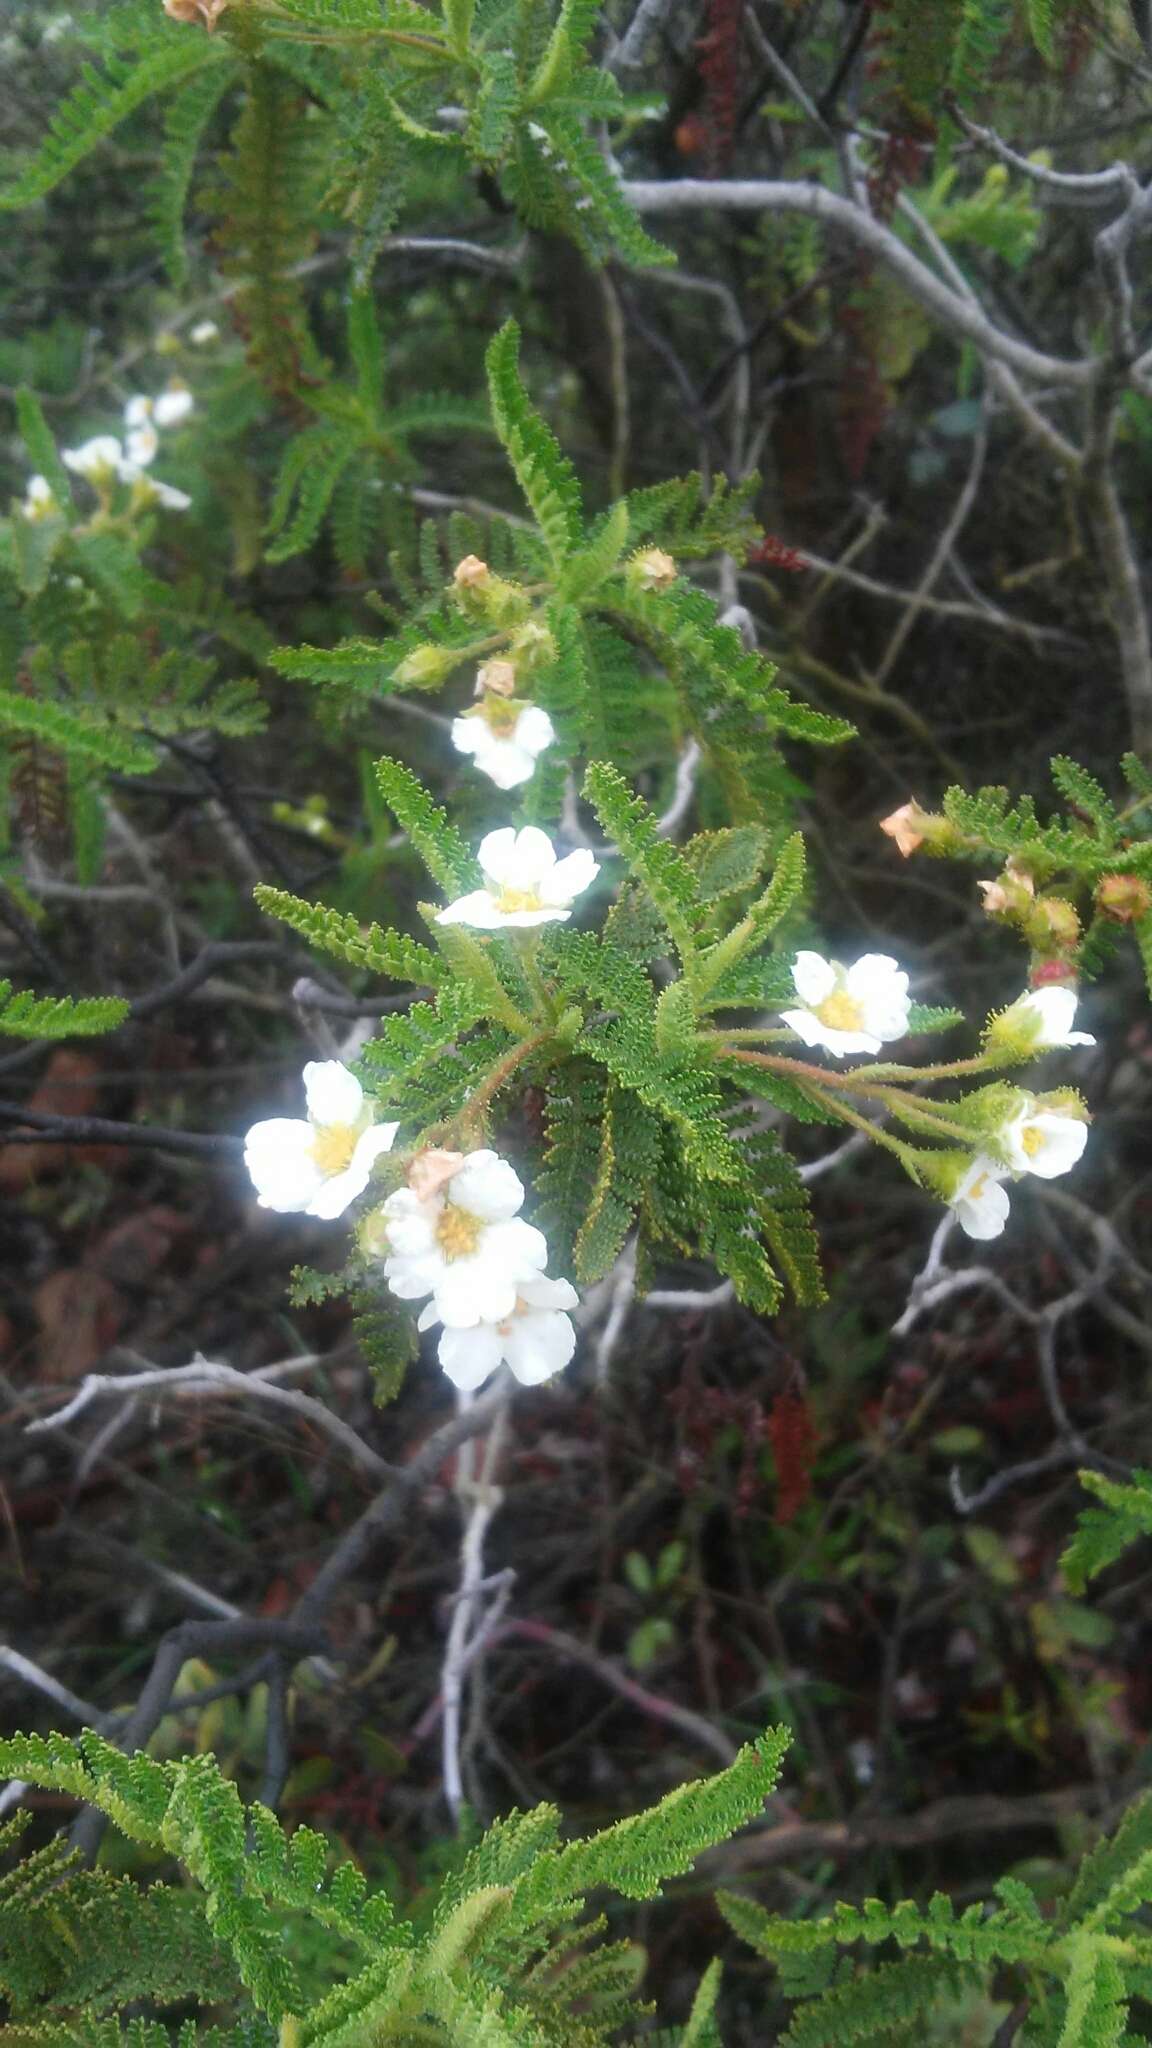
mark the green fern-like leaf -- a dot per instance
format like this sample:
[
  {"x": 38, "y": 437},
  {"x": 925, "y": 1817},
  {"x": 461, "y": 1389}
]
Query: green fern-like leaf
[
  {"x": 187, "y": 118},
  {"x": 544, "y": 474},
  {"x": 23, "y": 1015},
  {"x": 101, "y": 101},
  {"x": 661, "y": 866},
  {"x": 336, "y": 931},
  {"x": 432, "y": 833},
  {"x": 1103, "y": 1534}
]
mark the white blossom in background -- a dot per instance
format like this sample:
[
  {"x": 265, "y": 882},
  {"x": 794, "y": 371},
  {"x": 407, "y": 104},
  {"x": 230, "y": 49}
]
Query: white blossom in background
[
  {"x": 848, "y": 1009},
  {"x": 536, "y": 1341},
  {"x": 320, "y": 1165},
  {"x": 525, "y": 884},
  {"x": 1043, "y": 1141},
  {"x": 204, "y": 332},
  {"x": 1044, "y": 1017},
  {"x": 150, "y": 491},
  {"x": 506, "y": 752},
  {"x": 39, "y": 499},
  {"x": 980, "y": 1201},
  {"x": 99, "y": 460},
  {"x": 459, "y": 1237},
  {"x": 167, "y": 410},
  {"x": 140, "y": 445}
]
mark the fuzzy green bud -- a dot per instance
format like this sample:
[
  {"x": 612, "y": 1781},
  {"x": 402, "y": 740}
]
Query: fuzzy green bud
[
  {"x": 533, "y": 646},
  {"x": 651, "y": 569},
  {"x": 1123, "y": 897},
  {"x": 426, "y": 667},
  {"x": 1053, "y": 925}
]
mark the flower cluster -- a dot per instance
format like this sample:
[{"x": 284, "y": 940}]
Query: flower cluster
[
  {"x": 106, "y": 460},
  {"x": 455, "y": 1234}
]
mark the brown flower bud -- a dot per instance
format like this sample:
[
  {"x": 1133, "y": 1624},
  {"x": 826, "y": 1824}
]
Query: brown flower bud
[
  {"x": 902, "y": 825},
  {"x": 1123, "y": 897},
  {"x": 196, "y": 13},
  {"x": 498, "y": 677},
  {"x": 995, "y": 898},
  {"x": 432, "y": 1170},
  {"x": 470, "y": 572}
]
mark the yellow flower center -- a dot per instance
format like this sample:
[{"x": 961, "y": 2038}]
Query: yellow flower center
[
  {"x": 458, "y": 1232},
  {"x": 840, "y": 1011},
  {"x": 517, "y": 899},
  {"x": 333, "y": 1146},
  {"x": 1032, "y": 1140},
  {"x": 978, "y": 1189}
]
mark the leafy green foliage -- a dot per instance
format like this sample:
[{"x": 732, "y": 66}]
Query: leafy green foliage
[
  {"x": 90, "y": 1940},
  {"x": 1103, "y": 1534},
  {"x": 24, "y": 1015}
]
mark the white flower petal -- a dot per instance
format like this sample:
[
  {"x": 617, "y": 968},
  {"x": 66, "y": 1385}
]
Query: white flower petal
[
  {"x": 534, "y": 730},
  {"x": 474, "y": 1290},
  {"x": 535, "y": 858},
  {"x": 427, "y": 1317},
  {"x": 569, "y": 877},
  {"x": 138, "y": 411},
  {"x": 506, "y": 764},
  {"x": 813, "y": 977},
  {"x": 371, "y": 1144},
  {"x": 408, "y": 1280},
  {"x": 280, "y": 1163},
  {"x": 333, "y": 1095},
  {"x": 140, "y": 446},
  {"x": 487, "y": 1187},
  {"x": 980, "y": 1201},
  {"x": 541, "y": 1292},
  {"x": 537, "y": 1346},
  {"x": 171, "y": 407},
  {"x": 469, "y": 1357},
  {"x": 516, "y": 1247},
  {"x": 498, "y": 857},
  {"x": 1061, "y": 1145},
  {"x": 335, "y": 1194},
  {"x": 94, "y": 458},
  {"x": 468, "y": 735},
  {"x": 813, "y": 1032},
  {"x": 1051, "y": 1011},
  {"x": 876, "y": 977},
  {"x": 478, "y": 909}
]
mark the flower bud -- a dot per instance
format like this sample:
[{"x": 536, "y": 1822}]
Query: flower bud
[
  {"x": 1011, "y": 896},
  {"x": 651, "y": 569},
  {"x": 471, "y": 573},
  {"x": 497, "y": 677},
  {"x": 905, "y": 826},
  {"x": 1053, "y": 925},
  {"x": 196, "y": 13},
  {"x": 426, "y": 667},
  {"x": 1123, "y": 897},
  {"x": 533, "y": 646}
]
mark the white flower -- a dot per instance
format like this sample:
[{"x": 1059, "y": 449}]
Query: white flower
[
  {"x": 140, "y": 445},
  {"x": 1047, "y": 1142},
  {"x": 99, "y": 460},
  {"x": 536, "y": 1340},
  {"x": 204, "y": 332},
  {"x": 526, "y": 884},
  {"x": 168, "y": 410},
  {"x": 464, "y": 1243},
  {"x": 320, "y": 1165},
  {"x": 1045, "y": 1016},
  {"x": 848, "y": 1009},
  {"x": 980, "y": 1203},
  {"x": 150, "y": 491},
  {"x": 39, "y": 500},
  {"x": 508, "y": 756}
]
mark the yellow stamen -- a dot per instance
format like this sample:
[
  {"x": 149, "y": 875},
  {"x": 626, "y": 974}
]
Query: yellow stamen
[
  {"x": 457, "y": 1232},
  {"x": 978, "y": 1189},
  {"x": 840, "y": 1011},
  {"x": 333, "y": 1146},
  {"x": 1032, "y": 1140},
  {"x": 518, "y": 899}
]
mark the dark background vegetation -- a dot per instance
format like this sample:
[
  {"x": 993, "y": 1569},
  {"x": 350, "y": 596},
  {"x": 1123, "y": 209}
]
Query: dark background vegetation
[{"x": 713, "y": 1522}]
